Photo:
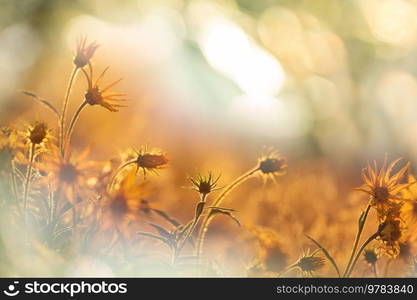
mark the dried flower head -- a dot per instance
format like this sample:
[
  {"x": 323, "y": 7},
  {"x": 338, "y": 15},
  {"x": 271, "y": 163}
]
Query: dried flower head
[
  {"x": 370, "y": 256},
  {"x": 150, "y": 160},
  {"x": 309, "y": 263},
  {"x": 38, "y": 133},
  {"x": 84, "y": 52},
  {"x": 382, "y": 186},
  {"x": 100, "y": 96},
  {"x": 205, "y": 184},
  {"x": 272, "y": 165},
  {"x": 392, "y": 233}
]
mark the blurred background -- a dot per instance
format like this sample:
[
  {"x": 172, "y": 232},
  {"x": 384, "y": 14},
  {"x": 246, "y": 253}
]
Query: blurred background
[{"x": 330, "y": 84}]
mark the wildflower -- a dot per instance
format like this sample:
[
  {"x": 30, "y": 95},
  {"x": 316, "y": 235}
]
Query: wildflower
[
  {"x": 149, "y": 161},
  {"x": 382, "y": 186},
  {"x": 84, "y": 52},
  {"x": 392, "y": 233},
  {"x": 205, "y": 184},
  {"x": 68, "y": 175},
  {"x": 370, "y": 256},
  {"x": 272, "y": 165},
  {"x": 37, "y": 134},
  {"x": 100, "y": 96},
  {"x": 308, "y": 263}
]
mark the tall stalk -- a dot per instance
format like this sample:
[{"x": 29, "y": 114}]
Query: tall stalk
[
  {"x": 206, "y": 221},
  {"x": 27, "y": 185},
  {"x": 74, "y": 119},
  {"x": 362, "y": 221},
  {"x": 64, "y": 109},
  {"x": 370, "y": 239},
  {"x": 199, "y": 209}
]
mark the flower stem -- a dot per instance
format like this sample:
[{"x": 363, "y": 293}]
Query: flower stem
[
  {"x": 358, "y": 235},
  {"x": 191, "y": 230},
  {"x": 206, "y": 221},
  {"x": 118, "y": 171},
  {"x": 64, "y": 109},
  {"x": 74, "y": 119},
  {"x": 370, "y": 239},
  {"x": 27, "y": 186}
]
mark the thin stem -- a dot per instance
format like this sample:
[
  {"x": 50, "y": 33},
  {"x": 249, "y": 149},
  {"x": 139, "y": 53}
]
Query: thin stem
[
  {"x": 287, "y": 269},
  {"x": 64, "y": 109},
  {"x": 27, "y": 185},
  {"x": 217, "y": 202},
  {"x": 118, "y": 171},
  {"x": 358, "y": 236},
  {"x": 370, "y": 239},
  {"x": 74, "y": 119},
  {"x": 191, "y": 230}
]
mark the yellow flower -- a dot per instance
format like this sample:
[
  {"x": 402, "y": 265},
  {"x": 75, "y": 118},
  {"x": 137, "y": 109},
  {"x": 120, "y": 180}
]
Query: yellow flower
[
  {"x": 69, "y": 175},
  {"x": 100, "y": 96},
  {"x": 382, "y": 186}
]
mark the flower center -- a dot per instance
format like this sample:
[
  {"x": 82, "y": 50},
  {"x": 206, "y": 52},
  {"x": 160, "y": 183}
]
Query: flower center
[
  {"x": 93, "y": 96},
  {"x": 68, "y": 173},
  {"x": 381, "y": 194},
  {"x": 271, "y": 165}
]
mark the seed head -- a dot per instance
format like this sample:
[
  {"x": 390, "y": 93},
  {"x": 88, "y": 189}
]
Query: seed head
[
  {"x": 311, "y": 263},
  {"x": 205, "y": 184},
  {"x": 150, "y": 160},
  {"x": 272, "y": 165}
]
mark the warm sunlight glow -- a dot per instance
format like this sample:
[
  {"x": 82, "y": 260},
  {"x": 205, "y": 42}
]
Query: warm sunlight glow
[{"x": 229, "y": 50}]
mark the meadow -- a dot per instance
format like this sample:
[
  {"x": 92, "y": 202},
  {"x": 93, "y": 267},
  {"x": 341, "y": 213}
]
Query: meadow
[{"x": 109, "y": 166}]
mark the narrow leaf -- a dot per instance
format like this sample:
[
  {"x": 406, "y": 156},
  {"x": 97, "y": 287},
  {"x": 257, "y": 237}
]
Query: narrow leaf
[{"x": 326, "y": 253}]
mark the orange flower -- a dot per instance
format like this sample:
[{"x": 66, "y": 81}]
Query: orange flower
[
  {"x": 97, "y": 96},
  {"x": 68, "y": 175},
  {"x": 382, "y": 186},
  {"x": 84, "y": 52}
]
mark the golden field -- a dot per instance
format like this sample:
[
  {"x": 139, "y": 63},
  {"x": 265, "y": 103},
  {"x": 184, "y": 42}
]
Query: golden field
[{"x": 208, "y": 138}]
